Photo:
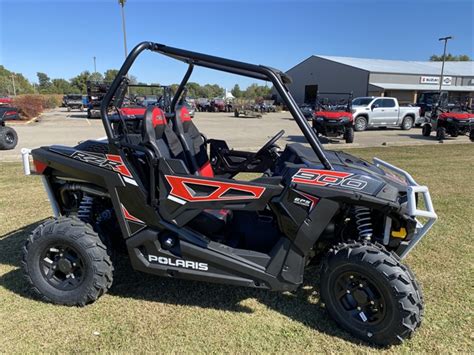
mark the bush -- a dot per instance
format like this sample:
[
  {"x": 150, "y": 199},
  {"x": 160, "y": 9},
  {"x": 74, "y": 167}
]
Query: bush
[
  {"x": 29, "y": 105},
  {"x": 32, "y": 105},
  {"x": 52, "y": 101}
]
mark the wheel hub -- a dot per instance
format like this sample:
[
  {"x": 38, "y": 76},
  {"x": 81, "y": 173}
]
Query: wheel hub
[
  {"x": 9, "y": 138},
  {"x": 359, "y": 298},
  {"x": 62, "y": 267}
]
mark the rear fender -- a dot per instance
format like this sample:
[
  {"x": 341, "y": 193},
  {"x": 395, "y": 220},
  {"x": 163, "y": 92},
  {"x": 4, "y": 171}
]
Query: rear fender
[{"x": 129, "y": 200}]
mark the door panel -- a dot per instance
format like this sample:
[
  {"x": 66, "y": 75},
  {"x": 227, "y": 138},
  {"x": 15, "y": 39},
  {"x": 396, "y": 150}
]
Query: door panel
[
  {"x": 379, "y": 115},
  {"x": 182, "y": 197},
  {"x": 391, "y": 111}
]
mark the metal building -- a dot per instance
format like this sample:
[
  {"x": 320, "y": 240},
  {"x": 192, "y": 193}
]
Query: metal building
[{"x": 404, "y": 80}]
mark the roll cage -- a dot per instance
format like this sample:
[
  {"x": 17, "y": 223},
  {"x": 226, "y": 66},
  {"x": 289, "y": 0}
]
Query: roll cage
[
  {"x": 324, "y": 106},
  {"x": 278, "y": 79}
]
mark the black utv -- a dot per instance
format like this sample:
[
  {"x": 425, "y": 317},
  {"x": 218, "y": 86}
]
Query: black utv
[{"x": 153, "y": 188}]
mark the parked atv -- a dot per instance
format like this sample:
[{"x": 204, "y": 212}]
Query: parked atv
[
  {"x": 453, "y": 122},
  {"x": 8, "y": 136},
  {"x": 334, "y": 120},
  {"x": 74, "y": 102},
  {"x": 152, "y": 189}
]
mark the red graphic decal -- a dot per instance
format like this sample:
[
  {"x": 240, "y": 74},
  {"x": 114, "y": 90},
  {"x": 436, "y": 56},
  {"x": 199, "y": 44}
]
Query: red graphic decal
[
  {"x": 120, "y": 168},
  {"x": 182, "y": 187},
  {"x": 327, "y": 178},
  {"x": 130, "y": 217}
]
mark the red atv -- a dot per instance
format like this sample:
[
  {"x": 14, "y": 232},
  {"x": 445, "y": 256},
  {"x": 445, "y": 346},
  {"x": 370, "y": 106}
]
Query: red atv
[
  {"x": 334, "y": 120},
  {"x": 453, "y": 121}
]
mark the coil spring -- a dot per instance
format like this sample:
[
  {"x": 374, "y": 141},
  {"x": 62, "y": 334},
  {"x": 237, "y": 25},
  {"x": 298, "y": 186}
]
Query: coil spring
[
  {"x": 364, "y": 222},
  {"x": 84, "y": 212}
]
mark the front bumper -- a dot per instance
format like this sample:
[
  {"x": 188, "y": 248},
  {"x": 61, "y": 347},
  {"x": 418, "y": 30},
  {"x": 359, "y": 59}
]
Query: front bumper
[{"x": 412, "y": 207}]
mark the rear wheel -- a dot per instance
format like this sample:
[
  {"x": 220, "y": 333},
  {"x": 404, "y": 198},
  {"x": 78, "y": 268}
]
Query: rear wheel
[
  {"x": 426, "y": 130},
  {"x": 65, "y": 262},
  {"x": 8, "y": 138},
  {"x": 236, "y": 113},
  {"x": 349, "y": 135},
  {"x": 370, "y": 293},
  {"x": 360, "y": 124},
  {"x": 407, "y": 123},
  {"x": 441, "y": 133}
]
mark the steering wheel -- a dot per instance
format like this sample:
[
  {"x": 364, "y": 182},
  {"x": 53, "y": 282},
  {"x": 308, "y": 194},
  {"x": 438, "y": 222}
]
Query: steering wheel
[{"x": 271, "y": 142}]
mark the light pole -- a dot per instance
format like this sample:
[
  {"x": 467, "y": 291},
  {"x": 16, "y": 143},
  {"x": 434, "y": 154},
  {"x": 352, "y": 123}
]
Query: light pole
[
  {"x": 95, "y": 67},
  {"x": 445, "y": 39},
  {"x": 122, "y": 4},
  {"x": 13, "y": 82}
]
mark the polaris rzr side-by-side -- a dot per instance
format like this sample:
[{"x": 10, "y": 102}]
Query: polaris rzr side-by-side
[
  {"x": 453, "y": 120},
  {"x": 334, "y": 119},
  {"x": 170, "y": 197}
]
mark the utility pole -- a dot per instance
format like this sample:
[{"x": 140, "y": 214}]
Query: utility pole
[
  {"x": 95, "y": 67},
  {"x": 122, "y": 5},
  {"x": 13, "y": 82},
  {"x": 445, "y": 39}
]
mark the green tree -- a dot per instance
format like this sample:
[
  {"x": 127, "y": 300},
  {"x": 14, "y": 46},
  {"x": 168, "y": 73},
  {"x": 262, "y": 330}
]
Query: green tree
[
  {"x": 450, "y": 58},
  {"x": 257, "y": 92},
  {"x": 61, "y": 86},
  {"x": 110, "y": 75},
  {"x": 79, "y": 82},
  {"x": 236, "y": 91},
  {"x": 45, "y": 86},
  {"x": 97, "y": 77},
  {"x": 22, "y": 85}
]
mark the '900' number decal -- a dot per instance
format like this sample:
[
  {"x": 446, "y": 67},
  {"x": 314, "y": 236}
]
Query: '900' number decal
[{"x": 328, "y": 178}]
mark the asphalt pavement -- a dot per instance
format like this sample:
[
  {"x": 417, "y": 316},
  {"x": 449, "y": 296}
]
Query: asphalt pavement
[{"x": 68, "y": 128}]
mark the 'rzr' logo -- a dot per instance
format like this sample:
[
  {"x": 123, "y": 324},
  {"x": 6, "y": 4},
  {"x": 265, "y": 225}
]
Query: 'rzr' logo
[
  {"x": 328, "y": 178},
  {"x": 108, "y": 161}
]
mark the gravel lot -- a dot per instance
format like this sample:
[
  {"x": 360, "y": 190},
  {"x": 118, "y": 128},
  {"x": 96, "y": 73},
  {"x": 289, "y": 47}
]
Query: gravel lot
[{"x": 61, "y": 127}]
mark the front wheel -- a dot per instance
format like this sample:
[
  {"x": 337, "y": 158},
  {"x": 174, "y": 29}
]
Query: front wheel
[
  {"x": 441, "y": 133},
  {"x": 370, "y": 293},
  {"x": 471, "y": 135},
  {"x": 426, "y": 130},
  {"x": 8, "y": 138},
  {"x": 360, "y": 124},
  {"x": 349, "y": 135},
  {"x": 66, "y": 263}
]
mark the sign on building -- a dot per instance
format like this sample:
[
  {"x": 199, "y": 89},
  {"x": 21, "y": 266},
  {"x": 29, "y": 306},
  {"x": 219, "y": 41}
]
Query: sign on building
[{"x": 447, "y": 80}]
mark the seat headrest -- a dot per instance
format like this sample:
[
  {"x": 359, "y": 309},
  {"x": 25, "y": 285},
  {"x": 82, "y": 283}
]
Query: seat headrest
[
  {"x": 183, "y": 114},
  {"x": 153, "y": 124}
]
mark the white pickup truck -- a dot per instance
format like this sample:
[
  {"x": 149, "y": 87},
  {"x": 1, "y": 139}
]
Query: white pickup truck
[{"x": 383, "y": 112}]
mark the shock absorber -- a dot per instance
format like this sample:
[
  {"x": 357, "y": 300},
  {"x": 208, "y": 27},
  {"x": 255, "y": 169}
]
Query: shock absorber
[
  {"x": 363, "y": 221},
  {"x": 84, "y": 212}
]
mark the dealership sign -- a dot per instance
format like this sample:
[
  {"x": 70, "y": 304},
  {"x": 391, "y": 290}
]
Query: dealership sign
[{"x": 447, "y": 80}]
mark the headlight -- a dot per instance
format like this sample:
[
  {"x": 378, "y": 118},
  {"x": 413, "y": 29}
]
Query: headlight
[
  {"x": 450, "y": 120},
  {"x": 320, "y": 118}
]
